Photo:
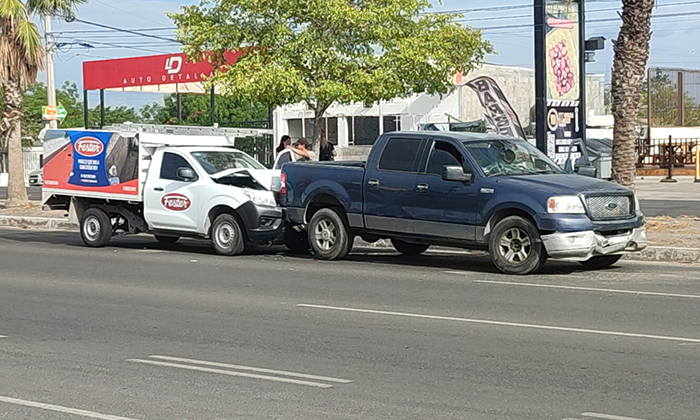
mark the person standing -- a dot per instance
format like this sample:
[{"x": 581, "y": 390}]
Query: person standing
[
  {"x": 285, "y": 142},
  {"x": 302, "y": 148},
  {"x": 326, "y": 149}
]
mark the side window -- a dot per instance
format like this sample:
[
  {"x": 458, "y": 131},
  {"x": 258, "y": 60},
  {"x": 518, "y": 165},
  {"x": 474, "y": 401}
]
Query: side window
[
  {"x": 283, "y": 158},
  {"x": 400, "y": 155},
  {"x": 444, "y": 154},
  {"x": 171, "y": 161}
]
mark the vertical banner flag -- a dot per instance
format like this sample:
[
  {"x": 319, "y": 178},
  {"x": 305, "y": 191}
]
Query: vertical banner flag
[{"x": 499, "y": 113}]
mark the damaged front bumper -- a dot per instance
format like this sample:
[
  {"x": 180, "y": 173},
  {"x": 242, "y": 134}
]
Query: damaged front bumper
[{"x": 582, "y": 246}]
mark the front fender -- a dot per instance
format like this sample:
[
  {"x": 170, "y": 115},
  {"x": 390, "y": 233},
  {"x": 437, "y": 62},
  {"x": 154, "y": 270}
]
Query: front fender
[
  {"x": 494, "y": 207},
  {"x": 234, "y": 201}
]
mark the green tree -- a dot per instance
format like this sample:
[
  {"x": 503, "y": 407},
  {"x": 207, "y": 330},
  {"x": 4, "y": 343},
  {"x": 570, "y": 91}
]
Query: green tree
[
  {"x": 21, "y": 58},
  {"x": 195, "y": 111},
  {"x": 323, "y": 51},
  {"x": 664, "y": 103}
]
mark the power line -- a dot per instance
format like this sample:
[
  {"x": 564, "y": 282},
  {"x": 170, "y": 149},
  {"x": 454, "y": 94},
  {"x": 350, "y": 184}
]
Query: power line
[
  {"x": 100, "y": 25},
  {"x": 127, "y": 12}
]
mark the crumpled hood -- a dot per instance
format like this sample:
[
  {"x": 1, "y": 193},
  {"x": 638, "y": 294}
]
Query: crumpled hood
[
  {"x": 561, "y": 184},
  {"x": 263, "y": 176}
]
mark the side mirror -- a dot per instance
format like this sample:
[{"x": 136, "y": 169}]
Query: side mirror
[
  {"x": 589, "y": 171},
  {"x": 456, "y": 173},
  {"x": 185, "y": 174}
]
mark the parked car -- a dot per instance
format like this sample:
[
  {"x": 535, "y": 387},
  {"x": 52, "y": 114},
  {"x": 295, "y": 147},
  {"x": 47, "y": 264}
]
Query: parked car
[
  {"x": 469, "y": 190},
  {"x": 36, "y": 178}
]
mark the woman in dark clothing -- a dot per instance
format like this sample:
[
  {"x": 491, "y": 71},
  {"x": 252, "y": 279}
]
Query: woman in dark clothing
[
  {"x": 284, "y": 143},
  {"x": 326, "y": 148}
]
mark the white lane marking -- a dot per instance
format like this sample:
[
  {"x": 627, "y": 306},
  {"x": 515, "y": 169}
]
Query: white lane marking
[
  {"x": 608, "y": 416},
  {"x": 588, "y": 289},
  {"x": 3, "y": 336},
  {"x": 58, "y": 408},
  {"x": 231, "y": 373},
  {"x": 504, "y": 324},
  {"x": 252, "y": 369}
]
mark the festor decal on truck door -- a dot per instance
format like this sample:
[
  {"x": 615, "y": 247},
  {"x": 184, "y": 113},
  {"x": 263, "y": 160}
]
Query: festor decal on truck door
[
  {"x": 95, "y": 161},
  {"x": 175, "y": 202}
]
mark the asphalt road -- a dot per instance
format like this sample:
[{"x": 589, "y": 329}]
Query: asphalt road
[
  {"x": 140, "y": 331},
  {"x": 673, "y": 208}
]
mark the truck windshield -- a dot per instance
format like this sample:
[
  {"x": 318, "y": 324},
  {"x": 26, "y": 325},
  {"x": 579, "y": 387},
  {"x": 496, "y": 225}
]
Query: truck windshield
[
  {"x": 215, "y": 162},
  {"x": 510, "y": 157}
]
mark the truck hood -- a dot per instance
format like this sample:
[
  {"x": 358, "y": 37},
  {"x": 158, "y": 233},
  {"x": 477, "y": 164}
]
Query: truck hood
[
  {"x": 561, "y": 184},
  {"x": 263, "y": 176}
]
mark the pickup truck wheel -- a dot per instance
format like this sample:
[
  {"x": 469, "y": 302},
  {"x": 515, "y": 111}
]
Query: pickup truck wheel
[
  {"x": 515, "y": 246},
  {"x": 95, "y": 228},
  {"x": 297, "y": 241},
  {"x": 167, "y": 240},
  {"x": 227, "y": 236},
  {"x": 603, "y": 261},
  {"x": 329, "y": 236},
  {"x": 407, "y": 248}
]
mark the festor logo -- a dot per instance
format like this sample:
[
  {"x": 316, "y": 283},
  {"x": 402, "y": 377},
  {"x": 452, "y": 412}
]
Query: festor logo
[
  {"x": 89, "y": 146},
  {"x": 175, "y": 202}
]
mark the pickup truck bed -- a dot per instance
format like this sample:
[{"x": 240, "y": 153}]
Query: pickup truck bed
[{"x": 463, "y": 189}]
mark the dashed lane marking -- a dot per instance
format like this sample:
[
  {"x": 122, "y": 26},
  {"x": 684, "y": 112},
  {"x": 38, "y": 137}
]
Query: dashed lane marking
[
  {"x": 252, "y": 369},
  {"x": 232, "y": 373},
  {"x": 609, "y": 416},
  {"x": 61, "y": 409},
  {"x": 586, "y": 289},
  {"x": 505, "y": 324}
]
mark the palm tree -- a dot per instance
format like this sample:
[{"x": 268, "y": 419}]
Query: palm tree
[
  {"x": 631, "y": 57},
  {"x": 21, "y": 58}
]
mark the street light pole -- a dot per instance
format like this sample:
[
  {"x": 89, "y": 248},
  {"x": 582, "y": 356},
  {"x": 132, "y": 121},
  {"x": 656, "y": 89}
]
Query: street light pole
[{"x": 50, "y": 76}]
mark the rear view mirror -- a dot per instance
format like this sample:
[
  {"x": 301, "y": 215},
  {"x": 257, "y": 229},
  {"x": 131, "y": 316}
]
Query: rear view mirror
[
  {"x": 185, "y": 174},
  {"x": 456, "y": 173}
]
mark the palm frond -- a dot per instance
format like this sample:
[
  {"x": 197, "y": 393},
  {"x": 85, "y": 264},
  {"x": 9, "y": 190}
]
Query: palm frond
[
  {"x": 11, "y": 10},
  {"x": 53, "y": 7}
]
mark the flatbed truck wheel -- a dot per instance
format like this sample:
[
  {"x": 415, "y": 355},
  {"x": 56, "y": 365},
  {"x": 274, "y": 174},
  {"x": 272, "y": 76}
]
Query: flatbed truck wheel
[{"x": 95, "y": 228}]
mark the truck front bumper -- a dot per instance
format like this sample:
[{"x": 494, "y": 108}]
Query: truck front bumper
[
  {"x": 582, "y": 246},
  {"x": 262, "y": 223}
]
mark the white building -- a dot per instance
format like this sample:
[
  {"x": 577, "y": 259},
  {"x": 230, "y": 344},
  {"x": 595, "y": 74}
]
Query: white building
[{"x": 354, "y": 128}]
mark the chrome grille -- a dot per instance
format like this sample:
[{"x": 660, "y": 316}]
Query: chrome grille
[{"x": 610, "y": 207}]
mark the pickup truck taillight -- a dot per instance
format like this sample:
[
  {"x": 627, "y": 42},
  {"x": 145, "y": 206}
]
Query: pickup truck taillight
[{"x": 283, "y": 184}]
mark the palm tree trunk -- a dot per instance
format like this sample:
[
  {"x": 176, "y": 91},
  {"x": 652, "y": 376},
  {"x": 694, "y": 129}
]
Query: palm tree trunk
[
  {"x": 12, "y": 114},
  {"x": 631, "y": 57}
]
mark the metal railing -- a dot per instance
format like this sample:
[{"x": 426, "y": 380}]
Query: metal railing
[{"x": 659, "y": 152}]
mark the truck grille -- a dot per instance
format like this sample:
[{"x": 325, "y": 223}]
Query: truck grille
[{"x": 610, "y": 207}]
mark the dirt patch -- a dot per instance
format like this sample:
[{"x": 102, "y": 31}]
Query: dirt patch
[{"x": 681, "y": 231}]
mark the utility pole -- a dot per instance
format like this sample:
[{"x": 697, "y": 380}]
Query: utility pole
[{"x": 50, "y": 76}]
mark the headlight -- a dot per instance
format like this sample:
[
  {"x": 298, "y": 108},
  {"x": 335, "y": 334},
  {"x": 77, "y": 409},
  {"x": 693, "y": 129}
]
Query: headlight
[
  {"x": 260, "y": 198},
  {"x": 569, "y": 204}
]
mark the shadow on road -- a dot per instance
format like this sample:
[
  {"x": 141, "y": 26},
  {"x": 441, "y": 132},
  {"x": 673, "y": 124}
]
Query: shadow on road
[{"x": 474, "y": 262}]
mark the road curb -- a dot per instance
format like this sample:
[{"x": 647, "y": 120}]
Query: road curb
[
  {"x": 37, "y": 223},
  {"x": 652, "y": 253}
]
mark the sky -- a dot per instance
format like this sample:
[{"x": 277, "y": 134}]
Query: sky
[{"x": 676, "y": 30}]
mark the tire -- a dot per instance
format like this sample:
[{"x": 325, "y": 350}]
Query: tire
[
  {"x": 227, "y": 236},
  {"x": 329, "y": 235},
  {"x": 167, "y": 240},
  {"x": 297, "y": 241},
  {"x": 603, "y": 261},
  {"x": 407, "y": 248},
  {"x": 95, "y": 228},
  {"x": 515, "y": 246}
]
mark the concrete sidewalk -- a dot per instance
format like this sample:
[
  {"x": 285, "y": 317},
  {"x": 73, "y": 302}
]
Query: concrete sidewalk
[{"x": 651, "y": 188}]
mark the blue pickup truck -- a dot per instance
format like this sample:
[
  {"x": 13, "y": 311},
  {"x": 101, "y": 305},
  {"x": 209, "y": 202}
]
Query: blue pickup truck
[{"x": 468, "y": 190}]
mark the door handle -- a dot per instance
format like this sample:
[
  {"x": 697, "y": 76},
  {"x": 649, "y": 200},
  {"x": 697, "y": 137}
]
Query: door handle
[
  {"x": 373, "y": 183},
  {"x": 159, "y": 189},
  {"x": 422, "y": 188}
]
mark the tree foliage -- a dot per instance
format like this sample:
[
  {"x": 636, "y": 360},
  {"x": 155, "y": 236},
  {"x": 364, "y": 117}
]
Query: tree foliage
[
  {"x": 323, "y": 51},
  {"x": 195, "y": 111},
  {"x": 664, "y": 103}
]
